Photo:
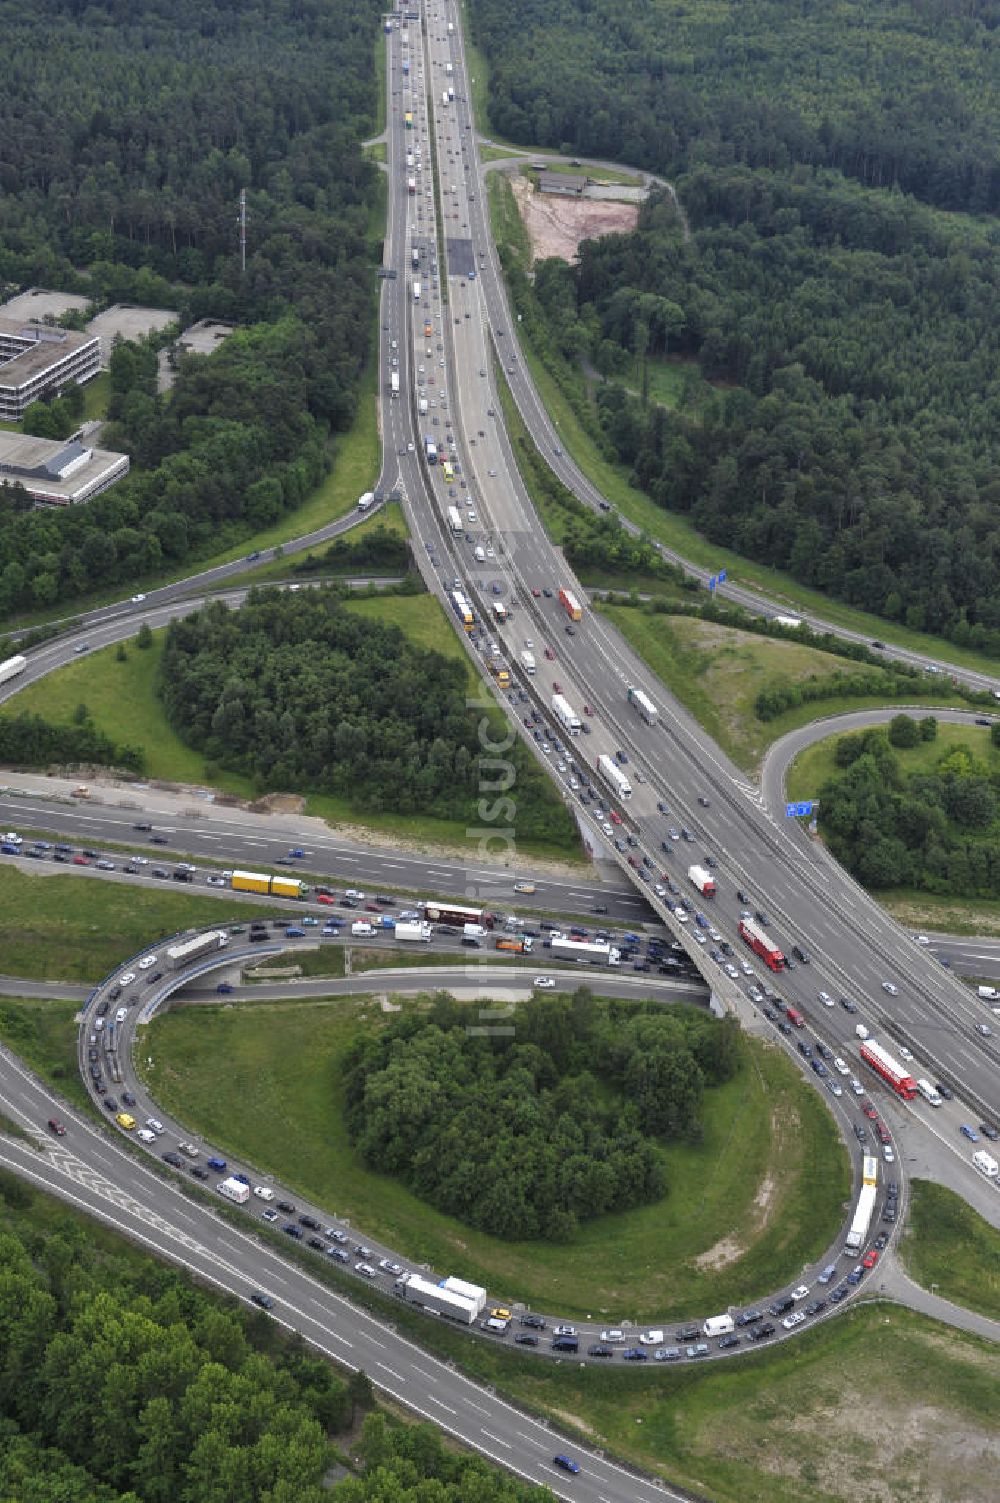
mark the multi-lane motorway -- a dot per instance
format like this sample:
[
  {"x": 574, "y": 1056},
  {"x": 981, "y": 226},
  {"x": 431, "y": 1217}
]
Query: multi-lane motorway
[{"x": 854, "y": 947}]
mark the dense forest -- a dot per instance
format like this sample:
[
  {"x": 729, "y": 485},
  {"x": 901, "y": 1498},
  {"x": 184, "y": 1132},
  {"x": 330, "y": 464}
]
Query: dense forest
[
  {"x": 120, "y": 1382},
  {"x": 849, "y": 332},
  {"x": 298, "y": 691},
  {"x": 935, "y": 829},
  {"x": 891, "y": 92},
  {"x": 529, "y": 1131},
  {"x": 126, "y": 133}
]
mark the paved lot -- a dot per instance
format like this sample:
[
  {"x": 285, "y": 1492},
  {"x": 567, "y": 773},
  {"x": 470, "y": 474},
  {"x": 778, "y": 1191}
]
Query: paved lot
[
  {"x": 130, "y": 321},
  {"x": 38, "y": 302}
]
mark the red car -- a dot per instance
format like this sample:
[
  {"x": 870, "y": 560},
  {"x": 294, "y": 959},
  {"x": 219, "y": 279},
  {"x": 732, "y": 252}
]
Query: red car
[
  {"x": 81, "y": 861},
  {"x": 321, "y": 897},
  {"x": 556, "y": 686},
  {"x": 550, "y": 654},
  {"x": 871, "y": 1257},
  {"x": 56, "y": 1126},
  {"x": 616, "y": 818},
  {"x": 537, "y": 593},
  {"x": 588, "y": 709},
  {"x": 869, "y": 1110}
]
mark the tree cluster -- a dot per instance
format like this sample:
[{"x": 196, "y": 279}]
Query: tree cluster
[
  {"x": 778, "y": 696},
  {"x": 937, "y": 831},
  {"x": 526, "y": 1134},
  {"x": 28, "y": 740},
  {"x": 122, "y": 1383},
  {"x": 296, "y": 690},
  {"x": 380, "y": 551},
  {"x": 128, "y": 133},
  {"x": 901, "y": 94}
]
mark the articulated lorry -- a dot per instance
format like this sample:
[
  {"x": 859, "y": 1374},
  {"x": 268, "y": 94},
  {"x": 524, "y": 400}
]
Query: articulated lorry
[
  {"x": 413, "y": 933},
  {"x": 565, "y": 714},
  {"x": 702, "y": 878},
  {"x": 452, "y": 1298},
  {"x": 12, "y": 667},
  {"x": 599, "y": 952},
  {"x": 187, "y": 950},
  {"x": 275, "y": 887}
]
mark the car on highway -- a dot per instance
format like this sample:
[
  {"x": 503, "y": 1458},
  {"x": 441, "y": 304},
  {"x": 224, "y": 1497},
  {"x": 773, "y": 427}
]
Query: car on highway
[
  {"x": 984, "y": 1030},
  {"x": 137, "y": 599},
  {"x": 567, "y": 1464},
  {"x": 544, "y": 983},
  {"x": 969, "y": 1132},
  {"x": 263, "y": 1300},
  {"x": 891, "y": 988},
  {"x": 56, "y": 1127}
]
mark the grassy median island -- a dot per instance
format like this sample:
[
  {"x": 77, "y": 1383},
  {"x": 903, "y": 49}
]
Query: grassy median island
[
  {"x": 762, "y": 1194},
  {"x": 718, "y": 671},
  {"x": 951, "y": 1247}
]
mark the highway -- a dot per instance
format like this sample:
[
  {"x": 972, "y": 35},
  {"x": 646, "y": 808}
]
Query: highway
[{"x": 854, "y": 946}]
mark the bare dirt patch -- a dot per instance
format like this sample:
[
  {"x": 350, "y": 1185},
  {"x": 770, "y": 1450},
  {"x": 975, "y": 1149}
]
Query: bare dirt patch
[
  {"x": 726, "y": 1251},
  {"x": 556, "y": 226},
  {"x": 278, "y": 803}
]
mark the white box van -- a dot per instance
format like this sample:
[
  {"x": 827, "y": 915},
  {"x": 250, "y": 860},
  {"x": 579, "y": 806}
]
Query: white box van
[
  {"x": 121, "y": 1014},
  {"x": 718, "y": 1325},
  {"x": 928, "y": 1092},
  {"x": 861, "y": 1030},
  {"x": 988, "y": 993},
  {"x": 480, "y": 555},
  {"x": 361, "y": 927},
  {"x": 986, "y": 1163}
]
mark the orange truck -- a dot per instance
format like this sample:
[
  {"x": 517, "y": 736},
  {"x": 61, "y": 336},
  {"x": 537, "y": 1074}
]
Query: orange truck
[{"x": 571, "y": 605}]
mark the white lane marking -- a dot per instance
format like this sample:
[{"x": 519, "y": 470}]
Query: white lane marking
[
  {"x": 496, "y": 1440},
  {"x": 441, "y": 1404},
  {"x": 531, "y": 1440},
  {"x": 392, "y": 1374}
]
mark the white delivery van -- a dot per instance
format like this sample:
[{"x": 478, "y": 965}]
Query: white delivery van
[
  {"x": 928, "y": 1092},
  {"x": 361, "y": 927}
]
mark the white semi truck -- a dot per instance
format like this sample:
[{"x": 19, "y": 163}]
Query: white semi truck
[
  {"x": 187, "y": 950},
  {"x": 528, "y": 662},
  {"x": 612, "y": 773},
  {"x": 413, "y": 933},
  {"x": 565, "y": 714},
  {"x": 597, "y": 951},
  {"x": 862, "y": 1217},
  {"x": 452, "y": 1298},
  {"x": 234, "y": 1190},
  {"x": 12, "y": 667}
]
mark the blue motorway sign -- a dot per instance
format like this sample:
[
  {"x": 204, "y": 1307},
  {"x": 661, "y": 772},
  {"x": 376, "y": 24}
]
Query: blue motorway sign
[{"x": 795, "y": 811}]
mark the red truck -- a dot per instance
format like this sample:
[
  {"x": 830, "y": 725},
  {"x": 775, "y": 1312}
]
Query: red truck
[{"x": 761, "y": 944}]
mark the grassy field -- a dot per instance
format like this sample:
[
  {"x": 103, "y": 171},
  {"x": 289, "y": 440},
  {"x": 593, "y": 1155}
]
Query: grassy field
[
  {"x": 762, "y": 1195},
  {"x": 667, "y": 379},
  {"x": 43, "y": 1033},
  {"x": 96, "y": 395},
  {"x": 925, "y": 910},
  {"x": 940, "y": 1223},
  {"x": 62, "y": 928},
  {"x": 717, "y": 672},
  {"x": 816, "y": 764}
]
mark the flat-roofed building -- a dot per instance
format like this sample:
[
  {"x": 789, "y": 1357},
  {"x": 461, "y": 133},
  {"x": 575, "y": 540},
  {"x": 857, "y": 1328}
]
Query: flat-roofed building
[
  {"x": 566, "y": 184},
  {"x": 37, "y": 360},
  {"x": 58, "y": 472}
]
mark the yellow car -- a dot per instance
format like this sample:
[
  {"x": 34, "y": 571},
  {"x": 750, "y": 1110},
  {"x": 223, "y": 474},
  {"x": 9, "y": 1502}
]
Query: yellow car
[
  {"x": 524, "y": 886},
  {"x": 499, "y": 1313},
  {"x": 125, "y": 1120}
]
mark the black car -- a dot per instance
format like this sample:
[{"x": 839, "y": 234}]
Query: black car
[
  {"x": 157, "y": 840},
  {"x": 597, "y": 908},
  {"x": 525, "y": 1338},
  {"x": 762, "y": 918},
  {"x": 199, "y": 1171},
  {"x": 823, "y": 1051},
  {"x": 264, "y": 1300},
  {"x": 156, "y": 976},
  {"x": 317, "y": 1243},
  {"x": 144, "y": 827},
  {"x": 286, "y": 1206},
  {"x": 989, "y": 1131},
  {"x": 761, "y": 1333},
  {"x": 689, "y": 1333},
  {"x": 128, "y": 1099},
  {"x": 815, "y": 1306},
  {"x": 173, "y": 1159},
  {"x": 600, "y": 1350},
  {"x": 703, "y": 801},
  {"x": 727, "y": 1342},
  {"x": 310, "y": 1222},
  {"x": 945, "y": 1091},
  {"x": 860, "y": 1133},
  {"x": 111, "y": 1103},
  {"x": 848, "y": 1005},
  {"x": 291, "y": 1230},
  {"x": 534, "y": 1321},
  {"x": 102, "y": 1007},
  {"x": 802, "y": 956},
  {"x": 158, "y": 871},
  {"x": 783, "y": 1305}
]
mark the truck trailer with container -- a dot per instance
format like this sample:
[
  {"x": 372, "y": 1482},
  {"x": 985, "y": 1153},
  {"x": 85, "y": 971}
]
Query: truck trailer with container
[
  {"x": 528, "y": 663},
  {"x": 416, "y": 292},
  {"x": 11, "y": 667},
  {"x": 702, "y": 878},
  {"x": 413, "y": 933},
  {"x": 598, "y": 952},
  {"x": 895, "y": 1075},
  {"x": 514, "y": 944},
  {"x": 566, "y": 715},
  {"x": 761, "y": 943},
  {"x": 439, "y": 1299},
  {"x": 442, "y": 912},
  {"x": 612, "y": 773},
  {"x": 394, "y": 383},
  {"x": 642, "y": 702},
  {"x": 188, "y": 950},
  {"x": 455, "y": 519},
  {"x": 275, "y": 887},
  {"x": 571, "y": 605},
  {"x": 862, "y": 1217}
]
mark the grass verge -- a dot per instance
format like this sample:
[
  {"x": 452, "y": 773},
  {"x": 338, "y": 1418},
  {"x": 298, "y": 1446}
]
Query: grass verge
[
  {"x": 940, "y": 1224},
  {"x": 59, "y": 928},
  {"x": 717, "y": 672},
  {"x": 763, "y": 1193},
  {"x": 43, "y": 1032}
]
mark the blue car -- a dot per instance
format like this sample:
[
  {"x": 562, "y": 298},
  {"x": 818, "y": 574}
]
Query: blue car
[
  {"x": 223, "y": 988},
  {"x": 217, "y": 1164},
  {"x": 969, "y": 1132},
  {"x": 294, "y": 932},
  {"x": 296, "y": 851},
  {"x": 567, "y": 1463}
]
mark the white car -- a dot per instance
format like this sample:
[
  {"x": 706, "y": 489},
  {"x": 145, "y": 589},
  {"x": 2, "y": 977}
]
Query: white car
[
  {"x": 699, "y": 938},
  {"x": 714, "y": 935},
  {"x": 544, "y": 983},
  {"x": 126, "y": 978},
  {"x": 681, "y": 916},
  {"x": 352, "y": 892},
  {"x": 791, "y": 1321},
  {"x": 841, "y": 1067},
  {"x": 146, "y": 962},
  {"x": 826, "y": 999},
  {"x": 145, "y": 1135},
  {"x": 650, "y": 1338},
  {"x": 888, "y": 1154},
  {"x": 921, "y": 939},
  {"x": 746, "y": 967},
  {"x": 891, "y": 988},
  {"x": 732, "y": 972},
  {"x": 138, "y": 599},
  {"x": 801, "y": 1292},
  {"x": 906, "y": 1053},
  {"x": 856, "y": 1086},
  {"x": 156, "y": 1127},
  {"x": 138, "y": 860},
  {"x": 836, "y": 1088},
  {"x": 660, "y": 890},
  {"x": 263, "y": 1192}
]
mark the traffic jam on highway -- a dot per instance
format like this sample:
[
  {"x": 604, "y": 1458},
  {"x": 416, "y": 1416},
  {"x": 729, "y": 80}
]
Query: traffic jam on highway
[{"x": 107, "y": 1035}]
